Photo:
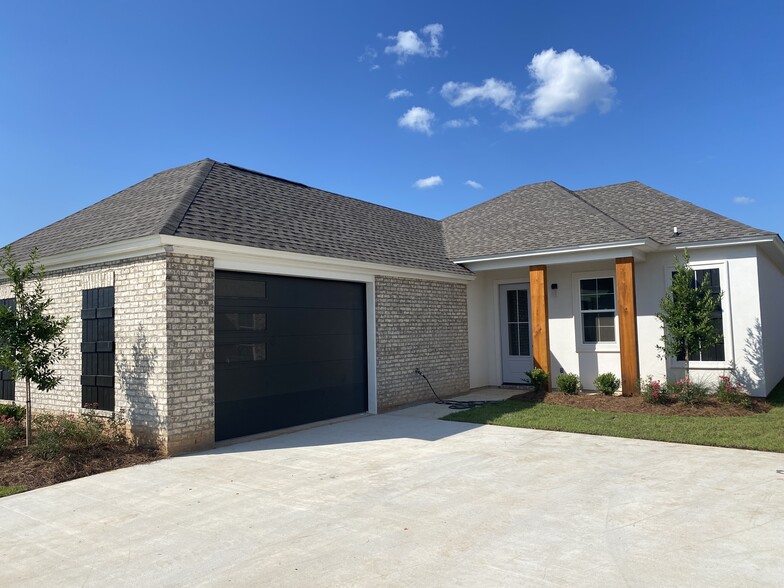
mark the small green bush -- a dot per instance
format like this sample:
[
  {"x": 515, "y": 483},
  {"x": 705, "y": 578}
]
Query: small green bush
[
  {"x": 732, "y": 392},
  {"x": 56, "y": 434},
  {"x": 13, "y": 411},
  {"x": 568, "y": 383},
  {"x": 607, "y": 383},
  {"x": 689, "y": 392},
  {"x": 539, "y": 378},
  {"x": 653, "y": 391}
]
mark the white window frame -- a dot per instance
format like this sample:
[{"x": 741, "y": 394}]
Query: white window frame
[
  {"x": 726, "y": 316},
  {"x": 601, "y": 347}
]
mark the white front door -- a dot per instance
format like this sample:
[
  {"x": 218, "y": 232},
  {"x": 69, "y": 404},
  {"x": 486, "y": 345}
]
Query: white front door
[{"x": 516, "y": 358}]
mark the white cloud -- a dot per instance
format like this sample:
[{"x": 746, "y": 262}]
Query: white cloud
[
  {"x": 474, "y": 185},
  {"x": 417, "y": 119},
  {"x": 500, "y": 93},
  {"x": 743, "y": 200},
  {"x": 409, "y": 44},
  {"x": 395, "y": 94},
  {"x": 566, "y": 85},
  {"x": 429, "y": 182},
  {"x": 460, "y": 123},
  {"x": 369, "y": 56}
]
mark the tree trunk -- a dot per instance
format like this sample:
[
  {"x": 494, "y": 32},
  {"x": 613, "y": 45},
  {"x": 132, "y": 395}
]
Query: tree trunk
[{"x": 29, "y": 415}]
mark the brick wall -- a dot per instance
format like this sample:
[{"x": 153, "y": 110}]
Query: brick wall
[
  {"x": 190, "y": 320},
  {"x": 420, "y": 323},
  {"x": 140, "y": 340}
]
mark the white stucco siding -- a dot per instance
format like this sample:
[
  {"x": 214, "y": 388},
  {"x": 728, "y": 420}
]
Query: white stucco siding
[
  {"x": 741, "y": 303},
  {"x": 771, "y": 284},
  {"x": 484, "y": 336},
  {"x": 567, "y": 351}
]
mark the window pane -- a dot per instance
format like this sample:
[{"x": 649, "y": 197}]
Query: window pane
[
  {"x": 524, "y": 344},
  {"x": 511, "y": 305},
  {"x": 606, "y": 302},
  {"x": 588, "y": 302},
  {"x": 522, "y": 306},
  {"x": 604, "y": 286},
  {"x": 514, "y": 340},
  {"x": 590, "y": 330}
]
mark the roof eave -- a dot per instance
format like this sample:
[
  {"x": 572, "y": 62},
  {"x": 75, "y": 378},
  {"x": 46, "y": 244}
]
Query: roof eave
[{"x": 637, "y": 248}]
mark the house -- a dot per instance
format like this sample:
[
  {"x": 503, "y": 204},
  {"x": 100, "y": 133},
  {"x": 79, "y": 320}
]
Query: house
[{"x": 210, "y": 301}]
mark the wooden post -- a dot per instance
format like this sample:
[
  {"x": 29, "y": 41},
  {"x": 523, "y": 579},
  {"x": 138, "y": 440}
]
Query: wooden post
[
  {"x": 539, "y": 317},
  {"x": 627, "y": 324}
]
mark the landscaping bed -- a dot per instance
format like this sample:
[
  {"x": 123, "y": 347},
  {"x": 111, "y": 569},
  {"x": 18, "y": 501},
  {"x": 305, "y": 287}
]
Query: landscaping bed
[
  {"x": 636, "y": 404},
  {"x": 20, "y": 468},
  {"x": 64, "y": 447}
]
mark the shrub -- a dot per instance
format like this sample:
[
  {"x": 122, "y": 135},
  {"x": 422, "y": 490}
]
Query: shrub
[
  {"x": 59, "y": 433},
  {"x": 689, "y": 392},
  {"x": 568, "y": 383},
  {"x": 653, "y": 391},
  {"x": 732, "y": 392},
  {"x": 538, "y": 378},
  {"x": 13, "y": 411},
  {"x": 607, "y": 383}
]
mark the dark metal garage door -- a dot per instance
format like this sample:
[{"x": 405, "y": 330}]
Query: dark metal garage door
[{"x": 288, "y": 351}]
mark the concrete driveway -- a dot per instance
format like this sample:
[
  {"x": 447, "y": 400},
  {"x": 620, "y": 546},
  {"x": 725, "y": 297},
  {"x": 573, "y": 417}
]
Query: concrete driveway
[{"x": 402, "y": 499}]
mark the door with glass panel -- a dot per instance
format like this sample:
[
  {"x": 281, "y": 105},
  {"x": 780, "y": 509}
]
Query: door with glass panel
[{"x": 516, "y": 356}]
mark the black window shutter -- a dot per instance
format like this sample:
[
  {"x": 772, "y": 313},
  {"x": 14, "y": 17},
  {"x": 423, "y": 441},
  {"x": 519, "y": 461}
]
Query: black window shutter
[
  {"x": 98, "y": 348},
  {"x": 7, "y": 385}
]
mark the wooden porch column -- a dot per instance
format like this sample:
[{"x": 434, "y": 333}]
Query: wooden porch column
[
  {"x": 539, "y": 315},
  {"x": 627, "y": 324}
]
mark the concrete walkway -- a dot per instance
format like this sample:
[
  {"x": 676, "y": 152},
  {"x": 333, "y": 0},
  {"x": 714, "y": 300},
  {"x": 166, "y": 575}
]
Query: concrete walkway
[{"x": 402, "y": 499}]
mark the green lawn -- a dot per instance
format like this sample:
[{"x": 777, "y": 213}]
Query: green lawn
[
  {"x": 8, "y": 490},
  {"x": 764, "y": 432}
]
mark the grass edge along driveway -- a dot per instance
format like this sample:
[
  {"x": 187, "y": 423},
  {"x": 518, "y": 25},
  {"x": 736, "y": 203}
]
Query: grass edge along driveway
[{"x": 763, "y": 432}]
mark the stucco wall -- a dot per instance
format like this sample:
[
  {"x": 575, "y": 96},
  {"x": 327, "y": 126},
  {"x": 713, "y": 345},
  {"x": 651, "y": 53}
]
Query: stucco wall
[
  {"x": 771, "y": 282},
  {"x": 741, "y": 313},
  {"x": 420, "y": 324}
]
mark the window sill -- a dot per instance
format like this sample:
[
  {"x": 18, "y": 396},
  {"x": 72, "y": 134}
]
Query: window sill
[
  {"x": 598, "y": 348},
  {"x": 109, "y": 414}
]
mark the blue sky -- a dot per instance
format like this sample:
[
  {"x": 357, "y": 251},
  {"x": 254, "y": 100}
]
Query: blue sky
[{"x": 684, "y": 96}]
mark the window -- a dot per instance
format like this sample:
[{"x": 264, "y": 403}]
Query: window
[
  {"x": 714, "y": 352},
  {"x": 517, "y": 317},
  {"x": 597, "y": 310},
  {"x": 7, "y": 386},
  {"x": 98, "y": 347}
]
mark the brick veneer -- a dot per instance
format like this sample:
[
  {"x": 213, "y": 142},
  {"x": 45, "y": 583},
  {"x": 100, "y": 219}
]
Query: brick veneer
[
  {"x": 420, "y": 323},
  {"x": 163, "y": 345}
]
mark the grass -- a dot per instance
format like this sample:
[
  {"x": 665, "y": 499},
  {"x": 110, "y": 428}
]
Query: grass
[
  {"x": 8, "y": 490},
  {"x": 764, "y": 432}
]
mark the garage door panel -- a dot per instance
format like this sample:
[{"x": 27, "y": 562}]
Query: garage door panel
[
  {"x": 252, "y": 415},
  {"x": 287, "y": 351},
  {"x": 248, "y": 380},
  {"x": 289, "y": 321}
]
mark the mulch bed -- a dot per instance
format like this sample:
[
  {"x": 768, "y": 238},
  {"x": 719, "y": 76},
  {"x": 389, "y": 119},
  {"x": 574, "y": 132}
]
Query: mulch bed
[
  {"x": 18, "y": 467},
  {"x": 635, "y": 404}
]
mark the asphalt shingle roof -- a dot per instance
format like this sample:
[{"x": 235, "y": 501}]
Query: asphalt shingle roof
[
  {"x": 530, "y": 218},
  {"x": 654, "y": 214},
  {"x": 223, "y": 203}
]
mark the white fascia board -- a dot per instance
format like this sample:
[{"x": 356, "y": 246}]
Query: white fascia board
[
  {"x": 772, "y": 239},
  {"x": 127, "y": 249},
  {"x": 600, "y": 251},
  {"x": 229, "y": 256}
]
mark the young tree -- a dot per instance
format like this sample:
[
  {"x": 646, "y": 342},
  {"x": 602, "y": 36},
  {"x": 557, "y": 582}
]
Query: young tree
[
  {"x": 31, "y": 340},
  {"x": 686, "y": 312}
]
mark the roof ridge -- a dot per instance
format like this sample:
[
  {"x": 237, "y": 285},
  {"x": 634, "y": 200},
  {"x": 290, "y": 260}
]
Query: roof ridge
[
  {"x": 608, "y": 215},
  {"x": 182, "y": 206}
]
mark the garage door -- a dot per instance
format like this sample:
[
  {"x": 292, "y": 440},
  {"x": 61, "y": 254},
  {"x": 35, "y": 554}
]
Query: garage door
[{"x": 288, "y": 351}]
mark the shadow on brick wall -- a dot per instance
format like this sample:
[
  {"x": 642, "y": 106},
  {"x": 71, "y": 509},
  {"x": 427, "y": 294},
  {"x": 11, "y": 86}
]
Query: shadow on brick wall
[{"x": 135, "y": 372}]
